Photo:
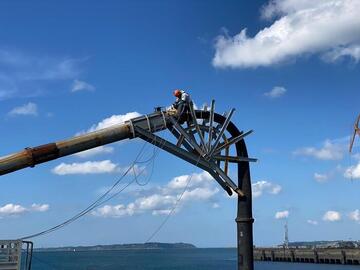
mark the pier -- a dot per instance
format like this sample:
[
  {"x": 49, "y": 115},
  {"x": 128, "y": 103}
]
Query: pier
[{"x": 349, "y": 256}]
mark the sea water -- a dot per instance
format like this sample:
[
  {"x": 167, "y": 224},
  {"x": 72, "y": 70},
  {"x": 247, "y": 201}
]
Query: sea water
[{"x": 166, "y": 259}]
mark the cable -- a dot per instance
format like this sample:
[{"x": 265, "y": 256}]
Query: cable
[
  {"x": 102, "y": 199},
  {"x": 155, "y": 152},
  {"x": 95, "y": 204},
  {"x": 170, "y": 213},
  {"x": 173, "y": 209}
]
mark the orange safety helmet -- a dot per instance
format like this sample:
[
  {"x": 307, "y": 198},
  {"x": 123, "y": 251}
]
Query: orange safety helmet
[{"x": 177, "y": 93}]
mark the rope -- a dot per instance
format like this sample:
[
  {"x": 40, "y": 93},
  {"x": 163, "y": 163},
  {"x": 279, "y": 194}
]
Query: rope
[
  {"x": 155, "y": 152},
  {"x": 95, "y": 204},
  {"x": 173, "y": 208},
  {"x": 170, "y": 213},
  {"x": 101, "y": 200}
]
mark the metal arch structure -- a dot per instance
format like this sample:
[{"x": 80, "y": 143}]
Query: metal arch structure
[
  {"x": 206, "y": 155},
  {"x": 244, "y": 217},
  {"x": 203, "y": 142}
]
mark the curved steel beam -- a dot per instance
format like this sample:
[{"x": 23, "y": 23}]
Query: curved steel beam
[{"x": 244, "y": 217}]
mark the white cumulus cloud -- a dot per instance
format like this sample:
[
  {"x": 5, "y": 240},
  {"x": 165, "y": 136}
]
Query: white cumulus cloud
[
  {"x": 353, "y": 172},
  {"x": 81, "y": 86},
  {"x": 26, "y": 109},
  {"x": 88, "y": 167},
  {"x": 112, "y": 120},
  {"x": 163, "y": 212},
  {"x": 312, "y": 222},
  {"x": 282, "y": 214},
  {"x": 355, "y": 215},
  {"x": 11, "y": 209},
  {"x": 260, "y": 187},
  {"x": 329, "y": 151},
  {"x": 163, "y": 199},
  {"x": 40, "y": 207},
  {"x": 299, "y": 27},
  {"x": 276, "y": 92},
  {"x": 114, "y": 211},
  {"x": 197, "y": 179},
  {"x": 319, "y": 177},
  {"x": 332, "y": 216},
  {"x": 341, "y": 52},
  {"x": 95, "y": 151}
]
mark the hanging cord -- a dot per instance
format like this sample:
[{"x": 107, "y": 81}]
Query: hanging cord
[
  {"x": 162, "y": 224},
  {"x": 101, "y": 200},
  {"x": 170, "y": 213},
  {"x": 173, "y": 208},
  {"x": 95, "y": 203},
  {"x": 155, "y": 153}
]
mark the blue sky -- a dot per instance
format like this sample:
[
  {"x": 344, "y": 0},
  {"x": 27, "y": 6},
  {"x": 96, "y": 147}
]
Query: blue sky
[{"x": 293, "y": 77}]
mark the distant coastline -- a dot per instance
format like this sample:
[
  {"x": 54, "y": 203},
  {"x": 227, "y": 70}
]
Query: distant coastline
[{"x": 136, "y": 246}]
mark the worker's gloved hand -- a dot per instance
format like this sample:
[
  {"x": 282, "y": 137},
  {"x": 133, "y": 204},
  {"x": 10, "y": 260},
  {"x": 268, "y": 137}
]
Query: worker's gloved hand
[
  {"x": 171, "y": 110},
  {"x": 175, "y": 105}
]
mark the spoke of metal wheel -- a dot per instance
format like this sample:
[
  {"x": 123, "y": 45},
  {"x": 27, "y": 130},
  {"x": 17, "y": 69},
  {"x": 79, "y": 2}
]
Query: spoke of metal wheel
[
  {"x": 234, "y": 159},
  {"x": 180, "y": 139},
  {"x": 232, "y": 141},
  {"x": 189, "y": 130},
  {"x": 226, "y": 165},
  {"x": 193, "y": 116},
  {"x": 173, "y": 149},
  {"x": 187, "y": 136},
  {"x": 204, "y": 121},
  {"x": 227, "y": 179},
  {"x": 223, "y": 128},
  {"x": 211, "y": 123}
]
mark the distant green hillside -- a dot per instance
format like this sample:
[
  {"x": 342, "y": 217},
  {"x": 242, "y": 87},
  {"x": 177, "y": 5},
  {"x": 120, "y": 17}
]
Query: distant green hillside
[{"x": 152, "y": 245}]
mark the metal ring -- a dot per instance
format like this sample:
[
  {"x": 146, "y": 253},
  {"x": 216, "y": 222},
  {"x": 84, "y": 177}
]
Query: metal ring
[
  {"x": 29, "y": 152},
  {"x": 132, "y": 130},
  {"x": 245, "y": 220},
  {"x": 148, "y": 122},
  {"x": 163, "y": 115}
]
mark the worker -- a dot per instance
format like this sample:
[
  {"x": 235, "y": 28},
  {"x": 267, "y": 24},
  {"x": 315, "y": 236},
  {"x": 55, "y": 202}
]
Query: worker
[{"x": 182, "y": 105}]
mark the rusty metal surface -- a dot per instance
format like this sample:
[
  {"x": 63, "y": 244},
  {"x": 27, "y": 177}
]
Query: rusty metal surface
[
  {"x": 149, "y": 124},
  {"x": 30, "y": 157}
]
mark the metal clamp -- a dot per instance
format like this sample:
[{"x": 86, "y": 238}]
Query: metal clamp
[
  {"x": 132, "y": 130},
  {"x": 244, "y": 220},
  {"x": 164, "y": 119},
  {"x": 148, "y": 122},
  {"x": 29, "y": 152}
]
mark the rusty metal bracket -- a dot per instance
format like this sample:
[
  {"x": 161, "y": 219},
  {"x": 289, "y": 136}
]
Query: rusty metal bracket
[{"x": 42, "y": 153}]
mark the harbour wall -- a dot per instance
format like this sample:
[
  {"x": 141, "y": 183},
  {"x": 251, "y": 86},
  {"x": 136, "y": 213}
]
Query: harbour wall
[{"x": 309, "y": 255}]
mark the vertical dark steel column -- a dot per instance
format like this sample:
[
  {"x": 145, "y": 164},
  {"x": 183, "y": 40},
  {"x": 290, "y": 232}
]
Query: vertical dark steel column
[{"x": 244, "y": 219}]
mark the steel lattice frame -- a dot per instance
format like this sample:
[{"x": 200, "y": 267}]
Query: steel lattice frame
[{"x": 205, "y": 153}]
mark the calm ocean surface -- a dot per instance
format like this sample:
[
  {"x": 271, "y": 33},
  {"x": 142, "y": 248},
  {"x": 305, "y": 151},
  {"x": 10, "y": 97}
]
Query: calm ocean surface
[{"x": 189, "y": 259}]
